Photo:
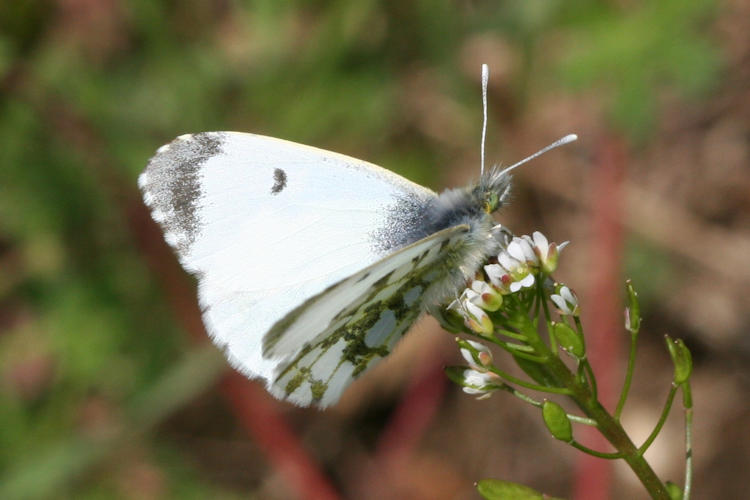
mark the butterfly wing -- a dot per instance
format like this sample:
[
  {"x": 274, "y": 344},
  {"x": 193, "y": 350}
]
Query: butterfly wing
[
  {"x": 359, "y": 319},
  {"x": 267, "y": 224}
]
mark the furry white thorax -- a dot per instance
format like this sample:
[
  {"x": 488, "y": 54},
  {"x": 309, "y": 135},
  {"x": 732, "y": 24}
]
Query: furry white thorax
[{"x": 473, "y": 206}]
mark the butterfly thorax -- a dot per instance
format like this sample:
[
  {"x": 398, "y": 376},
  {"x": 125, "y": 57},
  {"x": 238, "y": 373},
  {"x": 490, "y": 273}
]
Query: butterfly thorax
[
  {"x": 472, "y": 206},
  {"x": 410, "y": 220}
]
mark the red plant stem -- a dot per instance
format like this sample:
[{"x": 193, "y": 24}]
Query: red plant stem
[
  {"x": 257, "y": 413},
  {"x": 603, "y": 319},
  {"x": 414, "y": 413},
  {"x": 387, "y": 474}
]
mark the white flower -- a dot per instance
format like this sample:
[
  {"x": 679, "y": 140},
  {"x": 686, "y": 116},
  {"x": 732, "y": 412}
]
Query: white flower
[
  {"x": 566, "y": 301},
  {"x": 481, "y": 287},
  {"x": 522, "y": 250},
  {"x": 471, "y": 295},
  {"x": 483, "y": 355},
  {"x": 547, "y": 253},
  {"x": 474, "y": 316},
  {"x": 526, "y": 282},
  {"x": 508, "y": 262},
  {"x": 498, "y": 275},
  {"x": 518, "y": 271},
  {"x": 479, "y": 383},
  {"x": 518, "y": 263}
]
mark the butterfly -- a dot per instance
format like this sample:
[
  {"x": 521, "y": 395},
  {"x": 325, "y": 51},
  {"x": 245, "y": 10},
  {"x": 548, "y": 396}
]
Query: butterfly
[{"x": 311, "y": 265}]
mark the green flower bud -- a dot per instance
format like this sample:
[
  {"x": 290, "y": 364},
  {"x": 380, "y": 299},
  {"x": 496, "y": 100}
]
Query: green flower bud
[
  {"x": 681, "y": 358},
  {"x": 633, "y": 310},
  {"x": 488, "y": 297},
  {"x": 557, "y": 421}
]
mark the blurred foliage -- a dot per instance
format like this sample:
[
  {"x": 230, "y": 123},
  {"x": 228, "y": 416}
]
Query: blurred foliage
[
  {"x": 638, "y": 54},
  {"x": 88, "y": 90}
]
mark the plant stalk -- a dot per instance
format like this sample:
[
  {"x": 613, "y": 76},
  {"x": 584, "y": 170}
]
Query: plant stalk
[{"x": 606, "y": 423}]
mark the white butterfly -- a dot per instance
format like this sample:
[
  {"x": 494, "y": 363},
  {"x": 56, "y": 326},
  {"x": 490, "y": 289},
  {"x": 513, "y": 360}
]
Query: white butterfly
[{"x": 311, "y": 265}]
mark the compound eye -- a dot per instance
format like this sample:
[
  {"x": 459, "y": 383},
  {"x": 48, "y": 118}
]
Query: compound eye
[{"x": 490, "y": 203}]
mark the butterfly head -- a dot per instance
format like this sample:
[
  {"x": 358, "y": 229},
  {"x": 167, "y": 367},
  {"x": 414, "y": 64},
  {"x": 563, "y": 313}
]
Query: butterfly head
[{"x": 492, "y": 190}]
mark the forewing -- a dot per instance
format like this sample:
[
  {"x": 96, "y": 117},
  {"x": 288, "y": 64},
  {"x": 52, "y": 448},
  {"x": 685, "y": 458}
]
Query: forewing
[
  {"x": 358, "y": 319},
  {"x": 265, "y": 225}
]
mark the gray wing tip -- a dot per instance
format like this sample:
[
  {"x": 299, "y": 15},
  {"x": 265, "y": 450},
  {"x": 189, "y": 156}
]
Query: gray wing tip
[{"x": 171, "y": 185}]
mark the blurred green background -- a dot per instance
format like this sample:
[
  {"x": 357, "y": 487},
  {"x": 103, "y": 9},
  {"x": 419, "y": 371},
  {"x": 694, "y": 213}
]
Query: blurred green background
[{"x": 103, "y": 394}]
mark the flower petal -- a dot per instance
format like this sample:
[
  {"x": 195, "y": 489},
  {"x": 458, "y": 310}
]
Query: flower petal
[
  {"x": 541, "y": 242},
  {"x": 515, "y": 250},
  {"x": 560, "y": 303}
]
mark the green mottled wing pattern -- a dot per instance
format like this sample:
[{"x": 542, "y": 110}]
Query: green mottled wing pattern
[{"x": 381, "y": 303}]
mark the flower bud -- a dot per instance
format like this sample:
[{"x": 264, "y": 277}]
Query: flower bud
[
  {"x": 490, "y": 299},
  {"x": 476, "y": 354},
  {"x": 474, "y": 382},
  {"x": 479, "y": 383},
  {"x": 549, "y": 264},
  {"x": 477, "y": 320},
  {"x": 681, "y": 358},
  {"x": 566, "y": 301},
  {"x": 633, "y": 310},
  {"x": 474, "y": 316}
]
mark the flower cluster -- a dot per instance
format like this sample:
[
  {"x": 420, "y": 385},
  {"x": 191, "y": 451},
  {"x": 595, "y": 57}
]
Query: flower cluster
[
  {"x": 518, "y": 266},
  {"x": 513, "y": 303},
  {"x": 523, "y": 259}
]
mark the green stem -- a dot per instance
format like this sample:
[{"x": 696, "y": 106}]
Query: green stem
[
  {"x": 591, "y": 378},
  {"x": 660, "y": 423},
  {"x": 508, "y": 333},
  {"x": 547, "y": 316},
  {"x": 687, "y": 401},
  {"x": 579, "y": 328},
  {"x": 628, "y": 376},
  {"x": 534, "y": 387},
  {"x": 606, "y": 423},
  {"x": 600, "y": 454},
  {"x": 538, "y": 404},
  {"x": 580, "y": 375},
  {"x": 522, "y": 351}
]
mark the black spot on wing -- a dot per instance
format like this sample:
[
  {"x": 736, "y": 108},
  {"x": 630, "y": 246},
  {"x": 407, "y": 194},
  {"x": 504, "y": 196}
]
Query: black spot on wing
[
  {"x": 171, "y": 183},
  {"x": 279, "y": 181}
]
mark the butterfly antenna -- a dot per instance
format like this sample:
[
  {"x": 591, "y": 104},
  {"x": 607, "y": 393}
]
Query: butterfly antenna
[
  {"x": 485, "y": 79},
  {"x": 560, "y": 142}
]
